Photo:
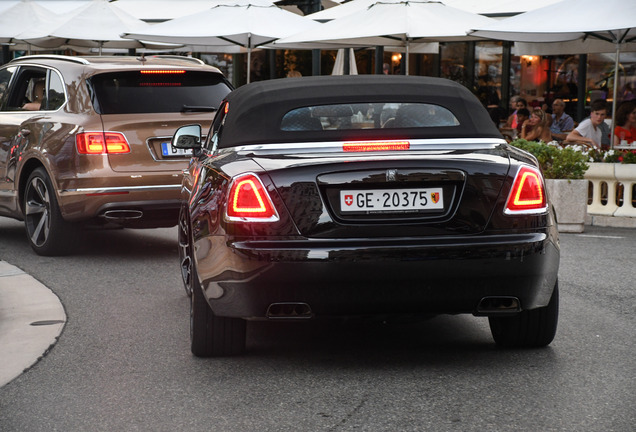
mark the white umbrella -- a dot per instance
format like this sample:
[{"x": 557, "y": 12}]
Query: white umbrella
[
  {"x": 392, "y": 23},
  {"x": 492, "y": 7},
  {"x": 612, "y": 22},
  {"x": 247, "y": 23},
  {"x": 98, "y": 24},
  {"x": 25, "y": 20},
  {"x": 339, "y": 64}
]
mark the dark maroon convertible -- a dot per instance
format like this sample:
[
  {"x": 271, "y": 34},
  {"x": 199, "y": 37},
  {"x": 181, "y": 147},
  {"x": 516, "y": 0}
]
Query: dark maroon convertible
[{"x": 362, "y": 195}]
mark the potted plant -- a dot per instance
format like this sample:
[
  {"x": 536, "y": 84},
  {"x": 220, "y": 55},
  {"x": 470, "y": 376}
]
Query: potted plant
[{"x": 563, "y": 169}]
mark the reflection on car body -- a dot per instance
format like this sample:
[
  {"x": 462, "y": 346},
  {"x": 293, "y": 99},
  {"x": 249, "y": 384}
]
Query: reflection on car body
[{"x": 305, "y": 202}]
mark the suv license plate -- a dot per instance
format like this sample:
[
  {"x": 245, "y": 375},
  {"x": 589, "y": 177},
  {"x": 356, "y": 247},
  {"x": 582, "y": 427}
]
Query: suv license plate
[
  {"x": 391, "y": 200},
  {"x": 168, "y": 151}
]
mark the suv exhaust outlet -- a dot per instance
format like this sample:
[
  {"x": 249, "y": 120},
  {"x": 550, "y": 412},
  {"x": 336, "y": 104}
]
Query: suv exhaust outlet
[{"x": 122, "y": 215}]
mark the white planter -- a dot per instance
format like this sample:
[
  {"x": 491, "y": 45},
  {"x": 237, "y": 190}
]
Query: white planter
[{"x": 569, "y": 198}]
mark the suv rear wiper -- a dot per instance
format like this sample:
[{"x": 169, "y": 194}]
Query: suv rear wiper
[{"x": 195, "y": 108}]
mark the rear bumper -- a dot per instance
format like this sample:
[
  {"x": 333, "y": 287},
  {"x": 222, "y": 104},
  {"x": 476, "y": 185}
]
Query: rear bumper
[
  {"x": 146, "y": 206},
  {"x": 440, "y": 275}
]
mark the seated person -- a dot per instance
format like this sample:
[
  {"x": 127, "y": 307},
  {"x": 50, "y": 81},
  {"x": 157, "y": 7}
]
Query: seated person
[
  {"x": 522, "y": 115},
  {"x": 561, "y": 122},
  {"x": 625, "y": 130},
  {"x": 591, "y": 131},
  {"x": 537, "y": 127},
  {"x": 513, "y": 121},
  {"x": 37, "y": 95}
]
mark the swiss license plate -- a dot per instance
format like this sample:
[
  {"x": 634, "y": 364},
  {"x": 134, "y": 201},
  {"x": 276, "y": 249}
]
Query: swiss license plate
[
  {"x": 391, "y": 200},
  {"x": 168, "y": 151}
]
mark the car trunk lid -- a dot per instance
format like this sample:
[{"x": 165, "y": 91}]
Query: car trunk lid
[
  {"x": 444, "y": 191},
  {"x": 149, "y": 138}
]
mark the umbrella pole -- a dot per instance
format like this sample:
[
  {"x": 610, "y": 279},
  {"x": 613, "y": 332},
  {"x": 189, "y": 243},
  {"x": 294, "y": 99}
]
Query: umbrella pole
[
  {"x": 249, "y": 62},
  {"x": 249, "y": 56},
  {"x": 615, "y": 96},
  {"x": 406, "y": 72}
]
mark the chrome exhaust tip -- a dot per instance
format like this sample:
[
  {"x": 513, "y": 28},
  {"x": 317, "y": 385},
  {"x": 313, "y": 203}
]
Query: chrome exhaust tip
[
  {"x": 498, "y": 305},
  {"x": 122, "y": 215},
  {"x": 289, "y": 310}
]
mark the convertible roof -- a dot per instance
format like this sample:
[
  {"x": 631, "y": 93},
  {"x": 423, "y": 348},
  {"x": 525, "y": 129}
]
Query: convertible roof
[{"x": 255, "y": 110}]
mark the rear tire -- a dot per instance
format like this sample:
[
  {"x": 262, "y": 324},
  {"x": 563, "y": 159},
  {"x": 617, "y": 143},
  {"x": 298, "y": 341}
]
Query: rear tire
[
  {"x": 47, "y": 231},
  {"x": 529, "y": 329},
  {"x": 210, "y": 335}
]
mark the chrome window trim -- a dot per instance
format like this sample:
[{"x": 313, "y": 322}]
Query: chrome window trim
[{"x": 416, "y": 144}]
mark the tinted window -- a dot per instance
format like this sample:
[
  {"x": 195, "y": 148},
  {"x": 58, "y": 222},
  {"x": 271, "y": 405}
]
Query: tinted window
[
  {"x": 26, "y": 90},
  {"x": 5, "y": 77},
  {"x": 134, "y": 92},
  {"x": 55, "y": 96},
  {"x": 367, "y": 116}
]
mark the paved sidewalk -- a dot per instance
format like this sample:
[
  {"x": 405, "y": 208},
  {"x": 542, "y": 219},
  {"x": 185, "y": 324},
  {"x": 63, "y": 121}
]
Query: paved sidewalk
[{"x": 31, "y": 320}]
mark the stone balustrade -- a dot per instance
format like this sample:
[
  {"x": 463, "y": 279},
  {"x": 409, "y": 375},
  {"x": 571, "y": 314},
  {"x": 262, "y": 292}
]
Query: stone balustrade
[{"x": 612, "y": 194}]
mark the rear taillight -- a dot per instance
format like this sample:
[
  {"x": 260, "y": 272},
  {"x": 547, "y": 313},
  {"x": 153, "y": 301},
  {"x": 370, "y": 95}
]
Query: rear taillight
[
  {"x": 372, "y": 146},
  {"x": 249, "y": 201},
  {"x": 528, "y": 193},
  {"x": 101, "y": 143}
]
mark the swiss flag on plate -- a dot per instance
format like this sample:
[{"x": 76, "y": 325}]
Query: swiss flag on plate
[{"x": 348, "y": 199}]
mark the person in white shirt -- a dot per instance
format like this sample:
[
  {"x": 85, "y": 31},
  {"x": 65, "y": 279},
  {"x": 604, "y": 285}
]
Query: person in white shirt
[{"x": 589, "y": 131}]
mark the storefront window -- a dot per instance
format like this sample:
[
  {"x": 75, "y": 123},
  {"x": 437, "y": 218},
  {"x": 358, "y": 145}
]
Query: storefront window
[
  {"x": 600, "y": 77},
  {"x": 488, "y": 61},
  {"x": 454, "y": 57}
]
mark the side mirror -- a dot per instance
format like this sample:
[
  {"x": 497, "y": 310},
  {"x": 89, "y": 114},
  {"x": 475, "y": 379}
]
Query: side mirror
[{"x": 187, "y": 137}]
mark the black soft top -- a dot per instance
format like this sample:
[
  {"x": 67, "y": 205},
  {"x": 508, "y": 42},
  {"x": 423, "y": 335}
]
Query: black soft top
[{"x": 255, "y": 110}]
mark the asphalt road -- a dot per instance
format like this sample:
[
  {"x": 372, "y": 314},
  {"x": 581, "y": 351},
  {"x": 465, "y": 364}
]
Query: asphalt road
[{"x": 123, "y": 360}]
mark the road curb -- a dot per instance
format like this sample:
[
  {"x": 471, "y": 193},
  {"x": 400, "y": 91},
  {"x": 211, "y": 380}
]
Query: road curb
[{"x": 31, "y": 321}]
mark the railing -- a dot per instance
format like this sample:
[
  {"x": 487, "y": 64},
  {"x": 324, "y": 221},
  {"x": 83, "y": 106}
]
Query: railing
[{"x": 612, "y": 190}]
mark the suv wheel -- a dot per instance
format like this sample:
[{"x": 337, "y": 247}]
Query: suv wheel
[
  {"x": 529, "y": 329},
  {"x": 48, "y": 233}
]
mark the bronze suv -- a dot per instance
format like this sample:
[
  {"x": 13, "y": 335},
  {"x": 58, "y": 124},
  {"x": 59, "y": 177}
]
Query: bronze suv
[{"x": 86, "y": 141}]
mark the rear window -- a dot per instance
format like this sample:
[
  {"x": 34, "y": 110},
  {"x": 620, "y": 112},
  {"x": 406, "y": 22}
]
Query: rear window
[
  {"x": 159, "y": 92},
  {"x": 367, "y": 116}
]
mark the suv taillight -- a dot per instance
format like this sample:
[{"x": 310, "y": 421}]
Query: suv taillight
[
  {"x": 527, "y": 195},
  {"x": 249, "y": 201},
  {"x": 101, "y": 143}
]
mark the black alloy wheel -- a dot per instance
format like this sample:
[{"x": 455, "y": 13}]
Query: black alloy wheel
[{"x": 48, "y": 233}]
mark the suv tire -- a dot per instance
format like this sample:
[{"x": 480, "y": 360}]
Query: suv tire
[{"x": 47, "y": 231}]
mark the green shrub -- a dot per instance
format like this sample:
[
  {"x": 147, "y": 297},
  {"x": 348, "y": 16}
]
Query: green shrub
[{"x": 556, "y": 162}]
